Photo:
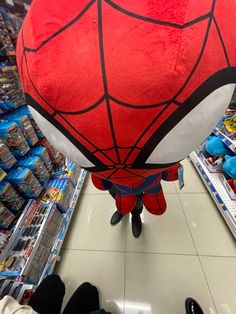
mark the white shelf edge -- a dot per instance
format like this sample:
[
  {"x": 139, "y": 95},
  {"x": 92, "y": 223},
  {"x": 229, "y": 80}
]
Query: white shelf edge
[
  {"x": 54, "y": 256},
  {"x": 226, "y": 206},
  {"x": 225, "y": 139}
]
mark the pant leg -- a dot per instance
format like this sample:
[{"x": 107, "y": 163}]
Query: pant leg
[
  {"x": 84, "y": 300},
  {"x": 138, "y": 207},
  {"x": 112, "y": 192},
  {"x": 48, "y": 296}
]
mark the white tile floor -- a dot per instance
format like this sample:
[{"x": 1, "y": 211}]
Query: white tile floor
[{"x": 189, "y": 251}]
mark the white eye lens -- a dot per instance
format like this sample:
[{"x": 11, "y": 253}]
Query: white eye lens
[
  {"x": 59, "y": 141},
  {"x": 192, "y": 130}
]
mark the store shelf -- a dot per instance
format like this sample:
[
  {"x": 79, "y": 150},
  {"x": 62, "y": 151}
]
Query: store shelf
[
  {"x": 54, "y": 256},
  {"x": 230, "y": 143},
  {"x": 226, "y": 206},
  {"x": 16, "y": 230}
]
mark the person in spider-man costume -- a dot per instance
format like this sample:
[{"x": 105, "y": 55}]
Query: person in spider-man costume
[{"x": 128, "y": 89}]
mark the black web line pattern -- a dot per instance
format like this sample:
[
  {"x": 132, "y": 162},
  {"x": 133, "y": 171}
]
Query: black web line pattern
[
  {"x": 148, "y": 148},
  {"x": 61, "y": 116},
  {"x": 104, "y": 76}
]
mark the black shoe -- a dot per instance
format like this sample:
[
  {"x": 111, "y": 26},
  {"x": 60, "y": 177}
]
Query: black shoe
[
  {"x": 116, "y": 217},
  {"x": 192, "y": 307},
  {"x": 136, "y": 225}
]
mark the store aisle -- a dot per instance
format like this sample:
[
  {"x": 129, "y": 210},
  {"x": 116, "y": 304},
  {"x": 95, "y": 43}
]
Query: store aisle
[{"x": 189, "y": 251}]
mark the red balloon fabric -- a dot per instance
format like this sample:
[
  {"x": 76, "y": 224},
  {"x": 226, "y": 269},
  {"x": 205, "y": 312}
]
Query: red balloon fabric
[{"x": 134, "y": 86}]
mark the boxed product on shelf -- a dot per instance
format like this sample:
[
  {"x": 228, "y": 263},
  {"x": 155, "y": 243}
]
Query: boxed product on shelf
[
  {"x": 51, "y": 151},
  {"x": 11, "y": 135},
  {"x": 213, "y": 164},
  {"x": 41, "y": 152},
  {"x": 229, "y": 185},
  {"x": 24, "y": 123},
  {"x": 21, "y": 243},
  {"x": 60, "y": 192},
  {"x": 6, "y": 217},
  {"x": 10, "y": 197},
  {"x": 36, "y": 165},
  {"x": 49, "y": 233},
  {"x": 24, "y": 110},
  {"x": 7, "y": 160},
  {"x": 11, "y": 91},
  {"x": 29, "y": 247},
  {"x": 71, "y": 171},
  {"x": 6, "y": 44},
  {"x": 5, "y": 104},
  {"x": 228, "y": 127},
  {"x": 25, "y": 182},
  {"x": 59, "y": 161}
]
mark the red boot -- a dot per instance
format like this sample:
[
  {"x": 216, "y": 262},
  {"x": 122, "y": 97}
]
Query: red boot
[{"x": 155, "y": 203}]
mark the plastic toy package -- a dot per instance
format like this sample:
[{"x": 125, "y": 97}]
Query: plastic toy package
[
  {"x": 42, "y": 153},
  {"x": 10, "y": 89},
  {"x": 228, "y": 127},
  {"x": 51, "y": 151},
  {"x": 25, "y": 182},
  {"x": 71, "y": 171},
  {"x": 6, "y": 217},
  {"x": 24, "y": 110},
  {"x": 38, "y": 168},
  {"x": 10, "y": 197},
  {"x": 16, "y": 255},
  {"x": 6, "y": 44},
  {"x": 13, "y": 138},
  {"x": 60, "y": 192},
  {"x": 7, "y": 160},
  {"x": 24, "y": 123}
]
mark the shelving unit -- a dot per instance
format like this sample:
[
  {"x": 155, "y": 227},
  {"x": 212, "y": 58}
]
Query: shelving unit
[
  {"x": 226, "y": 206},
  {"x": 47, "y": 245},
  {"x": 228, "y": 142},
  {"x": 54, "y": 255}
]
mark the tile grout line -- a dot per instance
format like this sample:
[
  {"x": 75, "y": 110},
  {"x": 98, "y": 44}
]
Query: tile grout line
[
  {"x": 207, "y": 283},
  {"x": 152, "y": 253},
  {"x": 197, "y": 255}
]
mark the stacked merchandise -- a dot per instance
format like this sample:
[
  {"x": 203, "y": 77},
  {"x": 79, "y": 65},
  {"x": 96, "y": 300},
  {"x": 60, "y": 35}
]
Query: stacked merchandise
[
  {"x": 215, "y": 161},
  {"x": 37, "y": 187},
  {"x": 218, "y": 151},
  {"x": 10, "y": 23}
]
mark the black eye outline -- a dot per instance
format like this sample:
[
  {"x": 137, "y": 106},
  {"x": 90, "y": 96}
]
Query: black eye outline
[{"x": 219, "y": 79}]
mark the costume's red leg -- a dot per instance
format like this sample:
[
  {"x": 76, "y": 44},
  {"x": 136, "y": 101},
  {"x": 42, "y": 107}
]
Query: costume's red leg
[
  {"x": 171, "y": 174},
  {"x": 155, "y": 203},
  {"x": 125, "y": 203},
  {"x": 101, "y": 184}
]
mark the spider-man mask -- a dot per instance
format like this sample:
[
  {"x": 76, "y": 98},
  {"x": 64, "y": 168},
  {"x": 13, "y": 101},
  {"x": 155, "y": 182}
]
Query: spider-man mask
[{"x": 128, "y": 88}]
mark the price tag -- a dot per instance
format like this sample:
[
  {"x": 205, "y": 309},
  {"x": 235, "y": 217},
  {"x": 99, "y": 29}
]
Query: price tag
[{"x": 181, "y": 176}]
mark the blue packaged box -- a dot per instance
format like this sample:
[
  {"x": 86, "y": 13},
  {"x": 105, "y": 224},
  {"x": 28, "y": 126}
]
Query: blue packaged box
[
  {"x": 25, "y": 182},
  {"x": 12, "y": 136},
  {"x": 41, "y": 152},
  {"x": 10, "y": 197},
  {"x": 35, "y": 164},
  {"x": 24, "y": 123}
]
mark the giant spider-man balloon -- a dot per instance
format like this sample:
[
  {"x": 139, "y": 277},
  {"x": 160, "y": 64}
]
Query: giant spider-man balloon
[{"x": 128, "y": 88}]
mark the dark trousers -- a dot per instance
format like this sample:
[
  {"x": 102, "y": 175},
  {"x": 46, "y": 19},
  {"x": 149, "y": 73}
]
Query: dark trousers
[
  {"x": 138, "y": 208},
  {"x": 48, "y": 298}
]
